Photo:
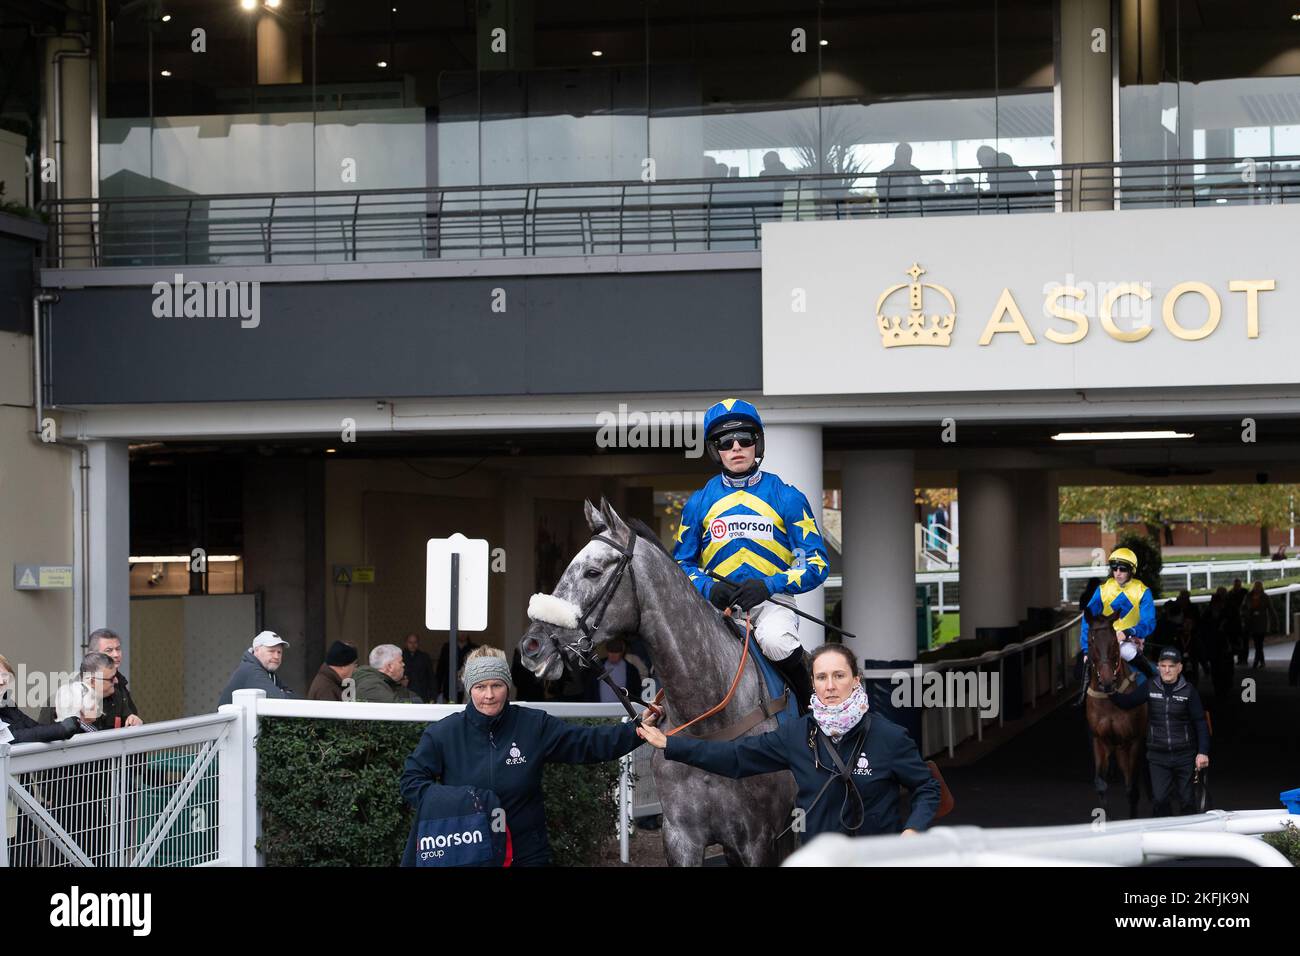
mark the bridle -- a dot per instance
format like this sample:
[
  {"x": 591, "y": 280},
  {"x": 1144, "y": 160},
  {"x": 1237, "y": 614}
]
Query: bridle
[{"x": 582, "y": 649}]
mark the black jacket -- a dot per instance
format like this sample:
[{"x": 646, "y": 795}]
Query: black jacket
[
  {"x": 505, "y": 754},
  {"x": 419, "y": 674},
  {"x": 118, "y": 706},
  {"x": 594, "y": 683},
  {"x": 28, "y": 731},
  {"x": 884, "y": 760},
  {"x": 1175, "y": 716}
]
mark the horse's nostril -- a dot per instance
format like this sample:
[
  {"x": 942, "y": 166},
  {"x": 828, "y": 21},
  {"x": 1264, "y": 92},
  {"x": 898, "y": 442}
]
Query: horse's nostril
[{"x": 531, "y": 646}]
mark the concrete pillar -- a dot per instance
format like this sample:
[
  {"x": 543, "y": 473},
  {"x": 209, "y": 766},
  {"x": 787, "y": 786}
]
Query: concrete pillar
[
  {"x": 1039, "y": 531},
  {"x": 990, "y": 591},
  {"x": 72, "y": 142},
  {"x": 110, "y": 541},
  {"x": 521, "y": 559},
  {"x": 794, "y": 453},
  {"x": 878, "y": 531},
  {"x": 275, "y": 560},
  {"x": 279, "y": 49},
  {"x": 1087, "y": 114}
]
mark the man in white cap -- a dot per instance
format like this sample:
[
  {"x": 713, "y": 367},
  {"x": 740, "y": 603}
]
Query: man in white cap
[{"x": 256, "y": 670}]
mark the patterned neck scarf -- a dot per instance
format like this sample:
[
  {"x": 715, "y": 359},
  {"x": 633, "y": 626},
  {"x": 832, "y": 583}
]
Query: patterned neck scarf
[{"x": 836, "y": 720}]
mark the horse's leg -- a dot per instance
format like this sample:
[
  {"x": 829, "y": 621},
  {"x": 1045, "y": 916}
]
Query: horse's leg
[
  {"x": 680, "y": 847},
  {"x": 1126, "y": 756},
  {"x": 1100, "y": 763}
]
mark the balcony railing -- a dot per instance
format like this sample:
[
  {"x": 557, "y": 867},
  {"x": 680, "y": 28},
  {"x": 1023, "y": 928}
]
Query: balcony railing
[{"x": 586, "y": 219}]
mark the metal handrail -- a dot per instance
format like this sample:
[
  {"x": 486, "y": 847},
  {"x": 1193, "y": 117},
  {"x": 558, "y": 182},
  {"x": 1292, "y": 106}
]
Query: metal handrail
[{"x": 589, "y": 218}]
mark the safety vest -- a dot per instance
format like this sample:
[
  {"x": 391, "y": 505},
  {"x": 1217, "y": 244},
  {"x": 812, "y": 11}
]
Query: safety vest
[{"x": 1134, "y": 590}]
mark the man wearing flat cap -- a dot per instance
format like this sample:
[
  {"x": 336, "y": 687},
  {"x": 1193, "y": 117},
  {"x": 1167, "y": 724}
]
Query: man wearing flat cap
[{"x": 340, "y": 662}]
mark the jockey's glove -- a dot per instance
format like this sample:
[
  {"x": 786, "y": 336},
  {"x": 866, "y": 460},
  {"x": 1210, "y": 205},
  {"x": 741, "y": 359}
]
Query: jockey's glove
[
  {"x": 722, "y": 594},
  {"x": 752, "y": 592}
]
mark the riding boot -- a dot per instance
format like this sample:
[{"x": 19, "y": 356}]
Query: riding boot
[
  {"x": 1083, "y": 681},
  {"x": 1141, "y": 663},
  {"x": 795, "y": 673}
]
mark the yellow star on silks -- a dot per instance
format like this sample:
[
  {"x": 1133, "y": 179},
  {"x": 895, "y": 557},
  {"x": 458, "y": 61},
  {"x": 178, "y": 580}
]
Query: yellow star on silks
[
  {"x": 807, "y": 525},
  {"x": 817, "y": 560},
  {"x": 681, "y": 530},
  {"x": 794, "y": 575}
]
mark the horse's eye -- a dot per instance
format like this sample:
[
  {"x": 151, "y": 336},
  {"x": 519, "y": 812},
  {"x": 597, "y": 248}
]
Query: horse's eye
[{"x": 593, "y": 573}]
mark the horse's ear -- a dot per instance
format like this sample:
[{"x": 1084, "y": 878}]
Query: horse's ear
[
  {"x": 596, "y": 521},
  {"x": 616, "y": 524}
]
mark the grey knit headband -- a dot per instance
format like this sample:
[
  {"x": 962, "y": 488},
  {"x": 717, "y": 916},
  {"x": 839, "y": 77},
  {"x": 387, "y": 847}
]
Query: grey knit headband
[{"x": 487, "y": 667}]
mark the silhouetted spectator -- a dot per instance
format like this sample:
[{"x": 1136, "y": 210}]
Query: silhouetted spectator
[
  {"x": 419, "y": 669},
  {"x": 900, "y": 181},
  {"x": 463, "y": 647}
]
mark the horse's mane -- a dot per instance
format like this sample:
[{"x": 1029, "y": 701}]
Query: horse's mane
[{"x": 643, "y": 530}]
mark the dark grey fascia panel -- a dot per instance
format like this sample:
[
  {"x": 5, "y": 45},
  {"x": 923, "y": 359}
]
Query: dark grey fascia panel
[{"x": 559, "y": 334}]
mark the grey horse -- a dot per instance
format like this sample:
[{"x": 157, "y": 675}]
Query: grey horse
[{"x": 696, "y": 656}]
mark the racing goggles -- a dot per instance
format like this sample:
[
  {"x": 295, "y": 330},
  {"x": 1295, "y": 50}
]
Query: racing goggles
[
  {"x": 747, "y": 439},
  {"x": 1121, "y": 566}
]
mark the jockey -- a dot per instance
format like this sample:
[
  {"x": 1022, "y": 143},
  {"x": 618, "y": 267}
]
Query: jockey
[
  {"x": 1123, "y": 594},
  {"x": 749, "y": 539}
]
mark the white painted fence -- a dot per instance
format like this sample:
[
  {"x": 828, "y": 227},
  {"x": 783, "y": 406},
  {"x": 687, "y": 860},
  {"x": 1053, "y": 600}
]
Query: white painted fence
[
  {"x": 184, "y": 792},
  {"x": 1232, "y": 834}
]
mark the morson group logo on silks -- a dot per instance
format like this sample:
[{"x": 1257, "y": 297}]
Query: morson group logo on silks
[
  {"x": 754, "y": 527},
  {"x": 454, "y": 841}
]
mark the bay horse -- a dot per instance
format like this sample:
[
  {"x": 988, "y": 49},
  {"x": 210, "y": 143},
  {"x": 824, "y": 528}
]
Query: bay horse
[
  {"x": 625, "y": 583},
  {"x": 1115, "y": 731}
]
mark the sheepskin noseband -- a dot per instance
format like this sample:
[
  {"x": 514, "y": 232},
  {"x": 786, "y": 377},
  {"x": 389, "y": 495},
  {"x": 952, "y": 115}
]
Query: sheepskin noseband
[{"x": 549, "y": 609}]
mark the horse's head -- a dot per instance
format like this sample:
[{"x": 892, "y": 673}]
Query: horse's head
[
  {"x": 593, "y": 601},
  {"x": 1103, "y": 649}
]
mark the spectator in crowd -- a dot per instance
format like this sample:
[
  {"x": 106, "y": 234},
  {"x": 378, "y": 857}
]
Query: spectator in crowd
[
  {"x": 419, "y": 669},
  {"x": 464, "y": 647},
  {"x": 498, "y": 746},
  {"x": 256, "y": 669},
  {"x": 119, "y": 708},
  {"x": 380, "y": 682},
  {"x": 620, "y": 670},
  {"x": 900, "y": 180},
  {"x": 1234, "y": 629},
  {"x": 80, "y": 701},
  {"x": 98, "y": 672},
  {"x": 340, "y": 662},
  {"x": 1260, "y": 619},
  {"x": 16, "y": 727},
  {"x": 1178, "y": 736}
]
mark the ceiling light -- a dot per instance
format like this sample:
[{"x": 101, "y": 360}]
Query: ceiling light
[
  {"x": 330, "y": 451},
  {"x": 166, "y": 72},
  {"x": 1118, "y": 436},
  {"x": 177, "y": 558},
  {"x": 382, "y": 64},
  {"x": 248, "y": 4},
  {"x": 272, "y": 3},
  {"x": 166, "y": 18},
  {"x": 825, "y": 43},
  {"x": 597, "y": 52}
]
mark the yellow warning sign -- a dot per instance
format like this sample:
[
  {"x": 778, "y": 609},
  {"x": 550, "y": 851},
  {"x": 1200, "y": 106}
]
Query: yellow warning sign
[
  {"x": 56, "y": 577},
  {"x": 363, "y": 574}
]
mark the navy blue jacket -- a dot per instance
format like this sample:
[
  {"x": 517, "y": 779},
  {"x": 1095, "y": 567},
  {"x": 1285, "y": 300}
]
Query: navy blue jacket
[
  {"x": 1175, "y": 719},
  {"x": 887, "y": 758},
  {"x": 505, "y": 754}
]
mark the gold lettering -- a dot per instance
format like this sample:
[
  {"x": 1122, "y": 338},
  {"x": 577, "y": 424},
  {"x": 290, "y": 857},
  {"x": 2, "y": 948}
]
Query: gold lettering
[
  {"x": 1007, "y": 308},
  {"x": 1053, "y": 307},
  {"x": 1171, "y": 300},
  {"x": 1252, "y": 288},
  {"x": 1108, "y": 322}
]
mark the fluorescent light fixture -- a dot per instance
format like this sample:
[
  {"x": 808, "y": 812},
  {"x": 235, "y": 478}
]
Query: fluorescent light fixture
[
  {"x": 330, "y": 451},
  {"x": 177, "y": 558},
  {"x": 1119, "y": 436},
  {"x": 597, "y": 52}
]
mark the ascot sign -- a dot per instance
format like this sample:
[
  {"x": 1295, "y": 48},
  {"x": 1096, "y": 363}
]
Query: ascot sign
[
  {"x": 917, "y": 328},
  {"x": 1031, "y": 301}
]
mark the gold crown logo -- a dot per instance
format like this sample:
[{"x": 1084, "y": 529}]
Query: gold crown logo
[{"x": 912, "y": 328}]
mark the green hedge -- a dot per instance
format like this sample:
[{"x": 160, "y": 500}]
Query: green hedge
[
  {"x": 329, "y": 795},
  {"x": 1286, "y": 842}
]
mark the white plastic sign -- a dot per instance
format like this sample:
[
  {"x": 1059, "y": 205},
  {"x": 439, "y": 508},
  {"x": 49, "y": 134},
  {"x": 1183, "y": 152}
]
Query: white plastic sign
[{"x": 472, "y": 609}]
